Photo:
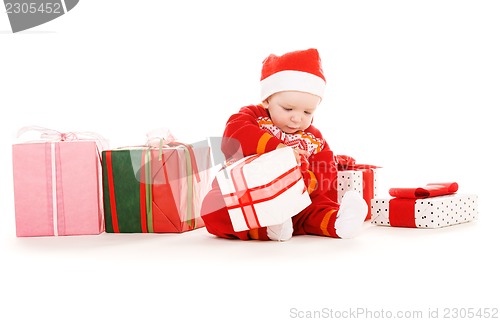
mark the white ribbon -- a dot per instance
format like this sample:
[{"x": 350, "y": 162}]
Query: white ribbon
[{"x": 54, "y": 189}]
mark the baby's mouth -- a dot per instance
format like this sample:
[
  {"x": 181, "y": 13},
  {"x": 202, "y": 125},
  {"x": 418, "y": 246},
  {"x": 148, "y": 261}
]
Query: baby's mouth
[{"x": 292, "y": 129}]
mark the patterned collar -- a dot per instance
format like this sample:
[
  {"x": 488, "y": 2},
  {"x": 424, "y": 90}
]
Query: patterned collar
[{"x": 303, "y": 140}]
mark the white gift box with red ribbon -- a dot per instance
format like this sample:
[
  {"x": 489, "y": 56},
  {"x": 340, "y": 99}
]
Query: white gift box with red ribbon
[
  {"x": 263, "y": 190},
  {"x": 434, "y": 212},
  {"x": 365, "y": 184}
]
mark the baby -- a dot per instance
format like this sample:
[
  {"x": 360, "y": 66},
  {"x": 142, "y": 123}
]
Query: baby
[{"x": 292, "y": 87}]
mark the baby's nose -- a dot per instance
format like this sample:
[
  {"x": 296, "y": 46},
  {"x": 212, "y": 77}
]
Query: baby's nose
[{"x": 296, "y": 118}]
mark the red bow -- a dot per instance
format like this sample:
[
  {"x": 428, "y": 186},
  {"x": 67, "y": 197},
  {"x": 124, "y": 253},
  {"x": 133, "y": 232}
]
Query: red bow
[
  {"x": 402, "y": 207},
  {"x": 430, "y": 190}
]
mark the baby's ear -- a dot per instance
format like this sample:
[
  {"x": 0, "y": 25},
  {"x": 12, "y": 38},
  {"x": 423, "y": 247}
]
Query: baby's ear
[{"x": 265, "y": 103}]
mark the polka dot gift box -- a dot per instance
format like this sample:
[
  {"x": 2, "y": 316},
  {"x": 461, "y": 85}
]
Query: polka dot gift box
[
  {"x": 433, "y": 206},
  {"x": 361, "y": 178}
]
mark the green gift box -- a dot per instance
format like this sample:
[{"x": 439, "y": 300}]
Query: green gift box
[{"x": 154, "y": 190}]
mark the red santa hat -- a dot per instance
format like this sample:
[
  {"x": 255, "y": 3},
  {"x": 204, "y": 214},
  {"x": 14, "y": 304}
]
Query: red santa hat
[{"x": 294, "y": 71}]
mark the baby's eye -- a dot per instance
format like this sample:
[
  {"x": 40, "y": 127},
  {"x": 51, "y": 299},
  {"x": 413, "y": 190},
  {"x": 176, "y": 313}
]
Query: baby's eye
[
  {"x": 307, "y": 113},
  {"x": 287, "y": 109}
]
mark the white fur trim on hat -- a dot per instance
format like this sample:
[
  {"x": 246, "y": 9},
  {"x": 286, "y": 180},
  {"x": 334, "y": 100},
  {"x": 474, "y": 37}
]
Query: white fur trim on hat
[{"x": 292, "y": 80}]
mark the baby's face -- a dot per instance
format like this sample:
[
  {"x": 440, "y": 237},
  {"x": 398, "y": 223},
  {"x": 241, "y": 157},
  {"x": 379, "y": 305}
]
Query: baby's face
[{"x": 292, "y": 111}]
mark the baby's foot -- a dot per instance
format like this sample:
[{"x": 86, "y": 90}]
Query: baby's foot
[
  {"x": 282, "y": 232},
  {"x": 351, "y": 215}
]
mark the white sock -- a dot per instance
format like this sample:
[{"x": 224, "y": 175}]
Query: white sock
[
  {"x": 351, "y": 215},
  {"x": 282, "y": 232}
]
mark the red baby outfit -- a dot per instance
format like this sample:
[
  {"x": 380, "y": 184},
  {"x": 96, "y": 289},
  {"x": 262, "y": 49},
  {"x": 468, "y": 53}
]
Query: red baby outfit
[{"x": 253, "y": 129}]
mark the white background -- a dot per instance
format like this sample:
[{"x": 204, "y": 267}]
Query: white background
[{"x": 412, "y": 86}]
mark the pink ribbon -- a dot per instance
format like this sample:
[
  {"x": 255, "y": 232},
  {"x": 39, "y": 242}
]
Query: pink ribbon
[{"x": 49, "y": 135}]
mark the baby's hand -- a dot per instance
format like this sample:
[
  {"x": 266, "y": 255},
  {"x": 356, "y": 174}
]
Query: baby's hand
[{"x": 300, "y": 155}]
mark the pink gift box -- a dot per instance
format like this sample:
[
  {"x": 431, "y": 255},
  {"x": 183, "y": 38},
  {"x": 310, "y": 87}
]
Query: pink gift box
[{"x": 57, "y": 188}]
